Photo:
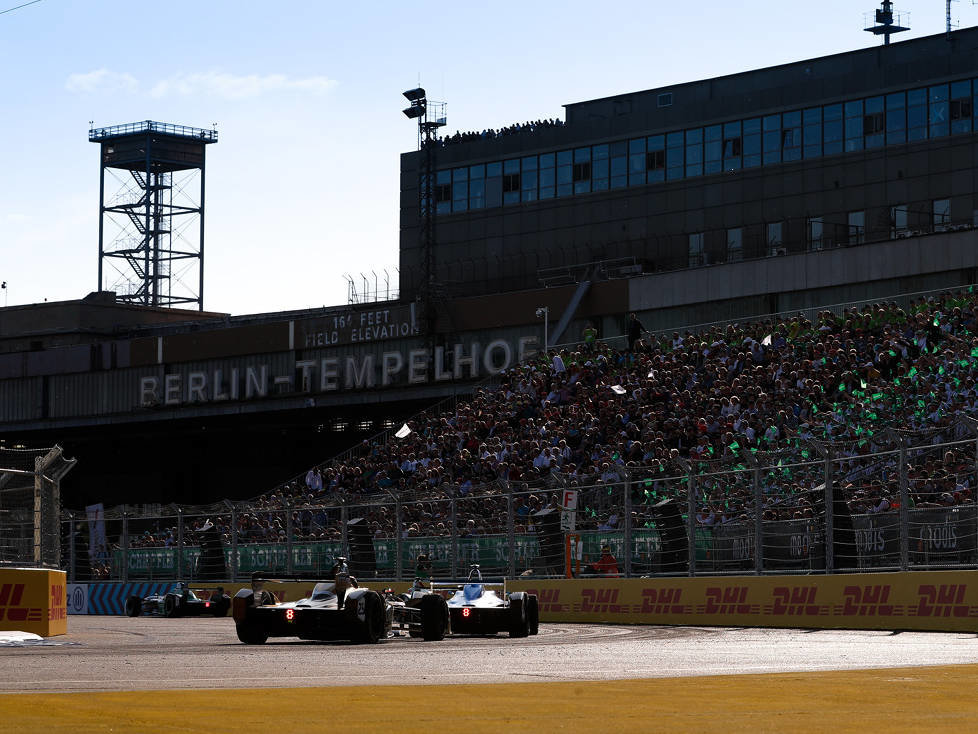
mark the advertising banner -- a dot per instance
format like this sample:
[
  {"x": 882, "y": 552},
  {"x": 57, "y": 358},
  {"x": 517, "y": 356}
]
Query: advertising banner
[
  {"x": 917, "y": 600},
  {"x": 77, "y": 598},
  {"x": 33, "y": 600}
]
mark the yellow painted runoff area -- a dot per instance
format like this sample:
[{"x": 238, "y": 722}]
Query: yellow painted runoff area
[{"x": 897, "y": 699}]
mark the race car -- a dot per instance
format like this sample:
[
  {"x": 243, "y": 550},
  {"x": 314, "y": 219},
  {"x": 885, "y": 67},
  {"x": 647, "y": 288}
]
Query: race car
[
  {"x": 475, "y": 609},
  {"x": 337, "y": 609},
  {"x": 420, "y": 611},
  {"x": 181, "y": 601}
]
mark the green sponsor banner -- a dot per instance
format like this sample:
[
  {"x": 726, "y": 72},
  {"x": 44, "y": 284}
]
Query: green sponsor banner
[{"x": 491, "y": 552}]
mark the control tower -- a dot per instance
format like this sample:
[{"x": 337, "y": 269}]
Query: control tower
[{"x": 151, "y": 212}]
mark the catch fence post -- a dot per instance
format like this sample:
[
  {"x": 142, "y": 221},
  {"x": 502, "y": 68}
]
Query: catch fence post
[
  {"x": 690, "y": 522},
  {"x": 904, "y": 508},
  {"x": 627, "y": 535},
  {"x": 511, "y": 533},
  {"x": 179, "y": 548}
]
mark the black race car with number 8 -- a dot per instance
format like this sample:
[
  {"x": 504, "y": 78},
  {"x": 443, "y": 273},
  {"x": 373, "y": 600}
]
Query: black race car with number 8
[{"x": 336, "y": 610}]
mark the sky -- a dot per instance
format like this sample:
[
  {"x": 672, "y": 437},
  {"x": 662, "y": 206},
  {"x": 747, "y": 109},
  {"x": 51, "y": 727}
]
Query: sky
[{"x": 302, "y": 188}]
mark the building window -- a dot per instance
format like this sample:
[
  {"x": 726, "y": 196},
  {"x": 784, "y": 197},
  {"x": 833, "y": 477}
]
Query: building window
[
  {"x": 775, "y": 239},
  {"x": 637, "y": 161},
  {"x": 854, "y": 125},
  {"x": 939, "y": 112},
  {"x": 655, "y": 160},
  {"x": 528, "y": 179},
  {"x": 896, "y": 118},
  {"x": 942, "y": 214},
  {"x": 674, "y": 156},
  {"x": 791, "y": 136},
  {"x": 619, "y": 164},
  {"x": 665, "y": 100},
  {"x": 815, "y": 228},
  {"x": 812, "y": 120},
  {"x": 443, "y": 192},
  {"x": 599, "y": 167},
  {"x": 694, "y": 152},
  {"x": 581, "y": 172},
  {"x": 696, "y": 250},
  {"x": 735, "y": 244},
  {"x": 713, "y": 148},
  {"x": 772, "y": 139},
  {"x": 460, "y": 189},
  {"x": 494, "y": 184},
  {"x": 874, "y": 129},
  {"x": 511, "y": 183},
  {"x": 477, "y": 187},
  {"x": 898, "y": 220},
  {"x": 752, "y": 143},
  {"x": 547, "y": 179},
  {"x": 857, "y": 228},
  {"x": 917, "y": 114},
  {"x": 565, "y": 173},
  {"x": 832, "y": 129},
  {"x": 962, "y": 107}
]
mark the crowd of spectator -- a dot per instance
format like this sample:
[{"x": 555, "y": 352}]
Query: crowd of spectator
[
  {"x": 491, "y": 134},
  {"x": 727, "y": 396}
]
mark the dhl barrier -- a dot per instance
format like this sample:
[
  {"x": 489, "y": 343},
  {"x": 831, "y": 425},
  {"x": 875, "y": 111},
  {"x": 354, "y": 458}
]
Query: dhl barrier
[
  {"x": 33, "y": 600},
  {"x": 936, "y": 601}
]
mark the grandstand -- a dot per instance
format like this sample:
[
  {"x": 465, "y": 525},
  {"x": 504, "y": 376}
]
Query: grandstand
[{"x": 752, "y": 429}]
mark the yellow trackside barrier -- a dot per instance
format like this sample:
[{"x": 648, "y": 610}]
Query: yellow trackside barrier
[
  {"x": 920, "y": 600},
  {"x": 33, "y": 600}
]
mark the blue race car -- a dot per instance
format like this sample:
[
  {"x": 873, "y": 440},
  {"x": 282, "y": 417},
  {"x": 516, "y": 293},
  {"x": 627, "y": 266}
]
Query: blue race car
[{"x": 475, "y": 609}]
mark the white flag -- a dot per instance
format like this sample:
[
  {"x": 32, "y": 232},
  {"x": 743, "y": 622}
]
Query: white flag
[{"x": 403, "y": 432}]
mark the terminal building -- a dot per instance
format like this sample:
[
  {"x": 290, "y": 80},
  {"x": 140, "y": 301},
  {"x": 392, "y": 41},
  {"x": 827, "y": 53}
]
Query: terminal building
[
  {"x": 815, "y": 182},
  {"x": 834, "y": 180}
]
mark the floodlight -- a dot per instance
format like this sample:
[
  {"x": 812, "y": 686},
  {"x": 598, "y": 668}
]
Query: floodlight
[
  {"x": 414, "y": 111},
  {"x": 413, "y": 95}
]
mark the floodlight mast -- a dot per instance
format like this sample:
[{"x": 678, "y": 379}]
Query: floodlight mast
[
  {"x": 430, "y": 116},
  {"x": 884, "y": 23}
]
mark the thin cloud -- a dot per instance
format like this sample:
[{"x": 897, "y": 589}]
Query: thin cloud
[
  {"x": 101, "y": 80},
  {"x": 231, "y": 86}
]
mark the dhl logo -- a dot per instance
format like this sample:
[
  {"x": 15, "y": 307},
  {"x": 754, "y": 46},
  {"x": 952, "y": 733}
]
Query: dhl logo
[
  {"x": 865, "y": 601},
  {"x": 943, "y": 600},
  {"x": 727, "y": 600},
  {"x": 795, "y": 600},
  {"x": 548, "y": 599},
  {"x": 56, "y": 608},
  {"x": 601, "y": 600},
  {"x": 10, "y": 609},
  {"x": 662, "y": 601}
]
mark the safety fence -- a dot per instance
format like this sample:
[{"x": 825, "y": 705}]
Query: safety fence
[
  {"x": 30, "y": 506},
  {"x": 892, "y": 502}
]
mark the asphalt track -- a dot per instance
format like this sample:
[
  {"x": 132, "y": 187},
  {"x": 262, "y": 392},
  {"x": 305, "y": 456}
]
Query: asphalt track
[{"x": 176, "y": 675}]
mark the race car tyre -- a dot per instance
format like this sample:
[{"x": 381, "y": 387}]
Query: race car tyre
[
  {"x": 134, "y": 605},
  {"x": 533, "y": 613},
  {"x": 171, "y": 605},
  {"x": 434, "y": 617},
  {"x": 372, "y": 627},
  {"x": 250, "y": 633},
  {"x": 221, "y": 606},
  {"x": 519, "y": 623}
]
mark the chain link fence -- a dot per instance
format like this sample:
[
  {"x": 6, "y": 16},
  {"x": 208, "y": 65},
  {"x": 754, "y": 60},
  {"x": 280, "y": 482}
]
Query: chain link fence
[
  {"x": 30, "y": 506},
  {"x": 892, "y": 501}
]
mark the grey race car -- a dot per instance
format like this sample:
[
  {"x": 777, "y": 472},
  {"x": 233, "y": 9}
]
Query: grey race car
[{"x": 180, "y": 601}]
